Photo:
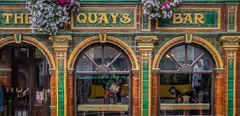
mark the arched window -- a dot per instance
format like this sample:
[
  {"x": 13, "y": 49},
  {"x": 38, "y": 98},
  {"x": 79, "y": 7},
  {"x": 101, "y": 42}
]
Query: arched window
[
  {"x": 102, "y": 81},
  {"x": 186, "y": 77}
]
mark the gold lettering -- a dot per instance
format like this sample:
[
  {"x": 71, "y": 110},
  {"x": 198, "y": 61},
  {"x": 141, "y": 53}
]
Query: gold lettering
[
  {"x": 16, "y": 17},
  {"x": 125, "y": 18},
  {"x": 7, "y": 16},
  {"x": 198, "y": 18},
  {"x": 103, "y": 17},
  {"x": 82, "y": 18},
  {"x": 94, "y": 20},
  {"x": 27, "y": 18},
  {"x": 114, "y": 17},
  {"x": 188, "y": 18},
  {"x": 177, "y": 19}
]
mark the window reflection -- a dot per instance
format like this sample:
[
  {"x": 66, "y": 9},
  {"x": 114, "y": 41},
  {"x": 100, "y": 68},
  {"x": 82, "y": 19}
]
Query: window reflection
[
  {"x": 102, "y": 89},
  {"x": 102, "y": 82},
  {"x": 183, "y": 88},
  {"x": 186, "y": 81}
]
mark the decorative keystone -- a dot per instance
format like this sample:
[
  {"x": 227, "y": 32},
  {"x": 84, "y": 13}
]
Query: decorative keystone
[{"x": 18, "y": 38}]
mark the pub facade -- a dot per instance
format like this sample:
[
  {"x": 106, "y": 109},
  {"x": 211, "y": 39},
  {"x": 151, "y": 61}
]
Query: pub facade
[{"x": 113, "y": 60}]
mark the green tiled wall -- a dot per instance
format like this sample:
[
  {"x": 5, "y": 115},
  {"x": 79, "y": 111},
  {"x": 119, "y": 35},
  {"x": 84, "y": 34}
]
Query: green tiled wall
[
  {"x": 145, "y": 21},
  {"x": 231, "y": 22},
  {"x": 230, "y": 88},
  {"x": 145, "y": 87},
  {"x": 60, "y": 88}
]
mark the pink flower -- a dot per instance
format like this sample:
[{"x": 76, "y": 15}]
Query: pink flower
[
  {"x": 165, "y": 3},
  {"x": 63, "y": 2}
]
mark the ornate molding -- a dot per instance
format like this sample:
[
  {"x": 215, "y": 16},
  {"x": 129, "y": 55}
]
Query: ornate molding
[
  {"x": 146, "y": 40},
  {"x": 60, "y": 42},
  {"x": 232, "y": 17},
  {"x": 230, "y": 42}
]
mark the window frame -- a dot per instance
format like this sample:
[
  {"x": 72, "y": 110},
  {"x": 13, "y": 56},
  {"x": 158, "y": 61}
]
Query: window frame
[
  {"x": 211, "y": 72},
  {"x": 75, "y": 73}
]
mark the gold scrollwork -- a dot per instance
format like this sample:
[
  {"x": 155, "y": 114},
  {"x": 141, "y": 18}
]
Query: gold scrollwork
[
  {"x": 146, "y": 55},
  {"x": 60, "y": 39},
  {"x": 60, "y": 42},
  {"x": 230, "y": 42},
  {"x": 146, "y": 40}
]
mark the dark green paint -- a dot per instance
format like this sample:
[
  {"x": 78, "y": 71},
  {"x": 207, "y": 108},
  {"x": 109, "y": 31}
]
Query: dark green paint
[
  {"x": 210, "y": 19},
  {"x": 11, "y": 24},
  {"x": 99, "y": 25}
]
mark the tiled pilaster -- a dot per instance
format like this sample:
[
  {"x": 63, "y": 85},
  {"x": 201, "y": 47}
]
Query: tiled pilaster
[
  {"x": 231, "y": 45},
  {"x": 60, "y": 45},
  {"x": 145, "y": 45}
]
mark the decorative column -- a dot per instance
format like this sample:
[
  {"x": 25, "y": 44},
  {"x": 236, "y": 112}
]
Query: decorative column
[
  {"x": 232, "y": 16},
  {"x": 60, "y": 46},
  {"x": 231, "y": 45},
  {"x": 145, "y": 45}
]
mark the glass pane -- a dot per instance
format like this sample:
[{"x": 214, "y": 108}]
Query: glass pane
[
  {"x": 178, "y": 53},
  {"x": 197, "y": 59},
  {"x": 168, "y": 63},
  {"x": 120, "y": 64},
  {"x": 95, "y": 54},
  {"x": 102, "y": 90},
  {"x": 85, "y": 64},
  {"x": 192, "y": 53},
  {"x": 178, "y": 90},
  {"x": 109, "y": 54}
]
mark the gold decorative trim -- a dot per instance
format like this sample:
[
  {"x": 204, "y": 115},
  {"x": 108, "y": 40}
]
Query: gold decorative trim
[
  {"x": 232, "y": 56},
  {"x": 200, "y": 41},
  {"x": 36, "y": 43},
  {"x": 106, "y": 8},
  {"x": 60, "y": 46},
  {"x": 110, "y": 39},
  {"x": 102, "y": 38},
  {"x": 18, "y": 38},
  {"x": 188, "y": 40},
  {"x": 146, "y": 41},
  {"x": 194, "y": 28},
  {"x": 232, "y": 10},
  {"x": 146, "y": 45},
  {"x": 14, "y": 8},
  {"x": 60, "y": 43},
  {"x": 230, "y": 42}
]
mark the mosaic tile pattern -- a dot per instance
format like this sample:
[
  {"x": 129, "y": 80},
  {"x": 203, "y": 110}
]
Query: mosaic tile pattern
[
  {"x": 60, "y": 87},
  {"x": 145, "y": 88},
  {"x": 230, "y": 88}
]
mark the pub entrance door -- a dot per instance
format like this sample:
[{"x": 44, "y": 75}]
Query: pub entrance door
[{"x": 27, "y": 91}]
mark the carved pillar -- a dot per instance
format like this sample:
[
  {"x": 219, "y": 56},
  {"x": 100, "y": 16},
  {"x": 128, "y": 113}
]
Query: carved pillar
[
  {"x": 145, "y": 45},
  {"x": 231, "y": 45},
  {"x": 60, "y": 46},
  {"x": 232, "y": 17}
]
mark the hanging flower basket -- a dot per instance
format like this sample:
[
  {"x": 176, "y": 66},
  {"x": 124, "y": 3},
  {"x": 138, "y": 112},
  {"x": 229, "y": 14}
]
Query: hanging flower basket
[
  {"x": 50, "y": 15},
  {"x": 159, "y": 8}
]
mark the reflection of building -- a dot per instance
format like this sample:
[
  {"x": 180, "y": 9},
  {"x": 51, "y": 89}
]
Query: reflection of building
[{"x": 154, "y": 59}]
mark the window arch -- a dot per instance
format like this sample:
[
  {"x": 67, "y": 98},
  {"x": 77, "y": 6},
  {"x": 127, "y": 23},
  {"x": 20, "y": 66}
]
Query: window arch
[
  {"x": 102, "y": 78},
  {"x": 185, "y": 85}
]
